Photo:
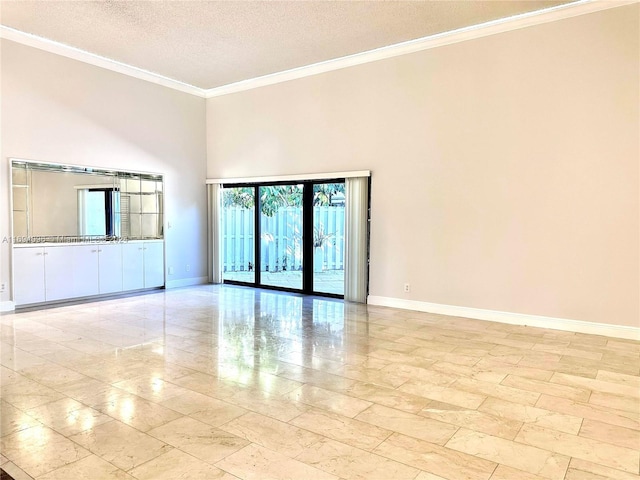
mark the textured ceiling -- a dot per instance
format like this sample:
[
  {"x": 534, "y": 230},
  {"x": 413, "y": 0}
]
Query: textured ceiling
[{"x": 212, "y": 43}]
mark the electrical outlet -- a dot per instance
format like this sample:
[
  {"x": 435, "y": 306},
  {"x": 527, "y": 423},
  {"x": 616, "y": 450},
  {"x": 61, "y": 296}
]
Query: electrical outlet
[
  {"x": 2, "y": 287},
  {"x": 407, "y": 288},
  {"x": 170, "y": 270},
  {"x": 187, "y": 268}
]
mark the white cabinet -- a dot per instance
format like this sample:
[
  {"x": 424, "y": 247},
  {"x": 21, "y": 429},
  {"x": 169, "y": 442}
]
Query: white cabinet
[
  {"x": 132, "y": 266},
  {"x": 85, "y": 270},
  {"x": 153, "y": 264},
  {"x": 143, "y": 265},
  {"x": 28, "y": 275},
  {"x": 110, "y": 268},
  {"x": 70, "y": 271},
  {"x": 58, "y": 272}
]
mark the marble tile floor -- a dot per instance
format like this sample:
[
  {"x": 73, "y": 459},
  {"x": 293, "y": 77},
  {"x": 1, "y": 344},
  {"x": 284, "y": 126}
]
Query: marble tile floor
[{"x": 224, "y": 382}]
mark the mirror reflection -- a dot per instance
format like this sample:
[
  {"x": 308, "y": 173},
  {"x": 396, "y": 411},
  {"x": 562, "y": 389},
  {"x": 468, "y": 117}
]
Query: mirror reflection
[{"x": 55, "y": 203}]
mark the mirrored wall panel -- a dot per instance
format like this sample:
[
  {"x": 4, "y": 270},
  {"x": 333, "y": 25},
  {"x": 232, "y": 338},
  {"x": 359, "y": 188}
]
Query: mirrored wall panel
[{"x": 62, "y": 203}]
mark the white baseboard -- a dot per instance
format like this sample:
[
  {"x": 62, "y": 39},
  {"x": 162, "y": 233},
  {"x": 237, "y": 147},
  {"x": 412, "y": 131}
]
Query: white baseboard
[
  {"x": 186, "y": 282},
  {"x": 8, "y": 306},
  {"x": 579, "y": 326}
]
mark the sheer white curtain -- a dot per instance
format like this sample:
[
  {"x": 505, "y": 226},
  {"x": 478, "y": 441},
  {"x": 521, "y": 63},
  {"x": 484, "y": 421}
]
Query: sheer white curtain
[
  {"x": 214, "y": 234},
  {"x": 356, "y": 239}
]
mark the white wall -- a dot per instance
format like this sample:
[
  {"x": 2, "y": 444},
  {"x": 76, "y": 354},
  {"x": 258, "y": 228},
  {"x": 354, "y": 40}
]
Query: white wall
[
  {"x": 59, "y": 110},
  {"x": 505, "y": 169}
]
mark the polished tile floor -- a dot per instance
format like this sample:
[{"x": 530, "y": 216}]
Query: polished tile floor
[{"x": 223, "y": 382}]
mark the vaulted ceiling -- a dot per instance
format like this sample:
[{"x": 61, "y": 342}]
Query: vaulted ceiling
[{"x": 208, "y": 44}]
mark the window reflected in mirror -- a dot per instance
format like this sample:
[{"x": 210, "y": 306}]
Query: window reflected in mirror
[{"x": 57, "y": 203}]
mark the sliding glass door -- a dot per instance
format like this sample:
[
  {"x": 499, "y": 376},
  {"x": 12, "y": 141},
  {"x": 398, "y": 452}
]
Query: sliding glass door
[
  {"x": 328, "y": 238},
  {"x": 238, "y": 225},
  {"x": 286, "y": 236},
  {"x": 281, "y": 223}
]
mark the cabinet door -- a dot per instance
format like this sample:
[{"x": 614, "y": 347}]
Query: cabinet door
[
  {"x": 132, "y": 266},
  {"x": 28, "y": 275},
  {"x": 153, "y": 264},
  {"x": 58, "y": 273},
  {"x": 85, "y": 270},
  {"x": 110, "y": 268}
]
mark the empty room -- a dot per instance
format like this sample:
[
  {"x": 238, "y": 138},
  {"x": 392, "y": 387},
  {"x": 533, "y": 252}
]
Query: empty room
[{"x": 320, "y": 240}]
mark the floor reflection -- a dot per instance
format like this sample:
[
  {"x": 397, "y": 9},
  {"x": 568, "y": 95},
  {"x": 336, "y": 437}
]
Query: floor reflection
[
  {"x": 232, "y": 382},
  {"x": 257, "y": 329}
]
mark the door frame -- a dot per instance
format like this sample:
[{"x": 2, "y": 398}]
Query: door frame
[{"x": 307, "y": 235}]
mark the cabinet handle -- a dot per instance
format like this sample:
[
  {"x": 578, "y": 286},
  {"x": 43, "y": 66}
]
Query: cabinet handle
[
  {"x": 46, "y": 253},
  {"x": 94, "y": 251},
  {"x": 139, "y": 248},
  {"x": 99, "y": 250},
  {"x": 40, "y": 253}
]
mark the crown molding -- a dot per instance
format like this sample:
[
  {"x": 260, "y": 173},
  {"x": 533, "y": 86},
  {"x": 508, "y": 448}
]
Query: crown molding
[
  {"x": 538, "y": 17},
  {"x": 579, "y": 7},
  {"x": 41, "y": 43}
]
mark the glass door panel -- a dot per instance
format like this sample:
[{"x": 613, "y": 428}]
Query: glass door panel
[
  {"x": 270, "y": 230},
  {"x": 281, "y": 236},
  {"x": 239, "y": 234},
  {"x": 328, "y": 238}
]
